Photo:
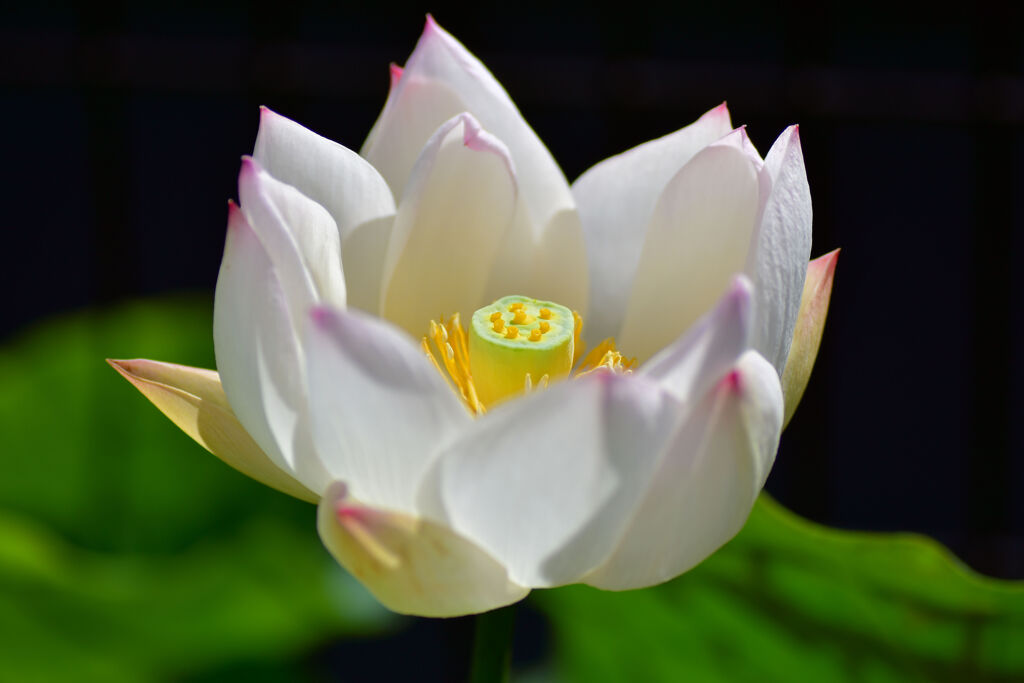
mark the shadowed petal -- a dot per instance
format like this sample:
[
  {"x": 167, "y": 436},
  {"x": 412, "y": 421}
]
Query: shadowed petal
[
  {"x": 545, "y": 483},
  {"x": 698, "y": 239},
  {"x": 412, "y": 565},
  {"x": 706, "y": 483},
  {"x": 616, "y": 199},
  {"x": 380, "y": 410},
  {"x": 452, "y": 219}
]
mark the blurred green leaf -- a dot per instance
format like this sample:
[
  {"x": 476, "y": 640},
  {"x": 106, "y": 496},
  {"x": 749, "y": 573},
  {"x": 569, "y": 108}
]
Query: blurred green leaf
[
  {"x": 788, "y": 600},
  {"x": 128, "y": 553}
]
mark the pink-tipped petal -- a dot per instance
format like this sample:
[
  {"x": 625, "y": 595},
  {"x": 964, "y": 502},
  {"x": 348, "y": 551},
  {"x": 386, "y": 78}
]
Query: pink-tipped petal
[
  {"x": 300, "y": 238},
  {"x": 780, "y": 247},
  {"x": 258, "y": 355},
  {"x": 193, "y": 399},
  {"x": 698, "y": 238},
  {"x": 616, "y": 199},
  {"x": 441, "y": 79},
  {"x": 379, "y": 409},
  {"x": 453, "y": 217},
  {"x": 412, "y": 565},
  {"x": 707, "y": 481},
  {"x": 345, "y": 184},
  {"x": 545, "y": 483},
  {"x": 810, "y": 324}
]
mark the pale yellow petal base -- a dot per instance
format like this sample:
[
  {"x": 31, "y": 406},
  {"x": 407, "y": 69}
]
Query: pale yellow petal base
[
  {"x": 412, "y": 565},
  {"x": 194, "y": 400},
  {"x": 810, "y": 324}
]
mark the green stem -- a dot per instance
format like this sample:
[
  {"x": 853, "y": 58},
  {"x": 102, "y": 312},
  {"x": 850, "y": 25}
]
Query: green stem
[{"x": 492, "y": 646}]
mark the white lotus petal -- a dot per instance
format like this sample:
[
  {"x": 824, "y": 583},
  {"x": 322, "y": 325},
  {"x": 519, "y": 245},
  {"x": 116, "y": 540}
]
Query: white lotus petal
[
  {"x": 300, "y": 237},
  {"x": 452, "y": 219},
  {"x": 379, "y": 409},
  {"x": 412, "y": 565},
  {"x": 777, "y": 261},
  {"x": 545, "y": 483},
  {"x": 352, "y": 191},
  {"x": 441, "y": 79},
  {"x": 258, "y": 354},
  {"x": 706, "y": 484},
  {"x": 698, "y": 238},
  {"x": 616, "y": 199},
  {"x": 689, "y": 365}
]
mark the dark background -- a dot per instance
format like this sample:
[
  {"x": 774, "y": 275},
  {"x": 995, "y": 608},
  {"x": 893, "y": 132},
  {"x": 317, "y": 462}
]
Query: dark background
[{"x": 122, "y": 126}]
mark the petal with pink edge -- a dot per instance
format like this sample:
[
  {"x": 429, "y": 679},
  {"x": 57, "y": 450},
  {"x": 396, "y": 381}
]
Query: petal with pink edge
[
  {"x": 301, "y": 239},
  {"x": 451, "y": 222},
  {"x": 706, "y": 483},
  {"x": 345, "y": 184},
  {"x": 545, "y": 483},
  {"x": 441, "y": 79},
  {"x": 412, "y": 565},
  {"x": 810, "y": 323},
  {"x": 258, "y": 354},
  {"x": 616, "y": 199},
  {"x": 697, "y": 240},
  {"x": 777, "y": 261},
  {"x": 193, "y": 399}
]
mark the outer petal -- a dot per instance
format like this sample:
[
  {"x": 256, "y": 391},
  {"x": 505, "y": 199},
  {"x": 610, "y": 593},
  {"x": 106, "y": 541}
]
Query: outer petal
[
  {"x": 707, "y": 482},
  {"x": 300, "y": 237},
  {"x": 452, "y": 220},
  {"x": 258, "y": 354},
  {"x": 441, "y": 79},
  {"x": 689, "y": 366},
  {"x": 698, "y": 238},
  {"x": 616, "y": 199},
  {"x": 412, "y": 565},
  {"x": 777, "y": 261},
  {"x": 379, "y": 409},
  {"x": 545, "y": 483},
  {"x": 345, "y": 184},
  {"x": 810, "y": 324},
  {"x": 193, "y": 399}
]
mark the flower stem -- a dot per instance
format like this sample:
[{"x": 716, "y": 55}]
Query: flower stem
[{"x": 492, "y": 646}]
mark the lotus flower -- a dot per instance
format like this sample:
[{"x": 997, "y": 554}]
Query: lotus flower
[{"x": 456, "y": 466}]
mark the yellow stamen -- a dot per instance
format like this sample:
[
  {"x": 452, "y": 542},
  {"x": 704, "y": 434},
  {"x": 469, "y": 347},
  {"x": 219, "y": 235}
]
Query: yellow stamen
[
  {"x": 495, "y": 316},
  {"x": 545, "y": 314},
  {"x": 520, "y": 317},
  {"x": 535, "y": 335},
  {"x": 511, "y": 333},
  {"x": 499, "y": 325},
  {"x": 544, "y": 327}
]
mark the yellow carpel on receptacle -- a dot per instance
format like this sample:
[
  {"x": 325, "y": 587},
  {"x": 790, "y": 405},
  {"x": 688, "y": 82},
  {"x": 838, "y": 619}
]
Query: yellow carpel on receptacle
[
  {"x": 537, "y": 340},
  {"x": 515, "y": 345}
]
